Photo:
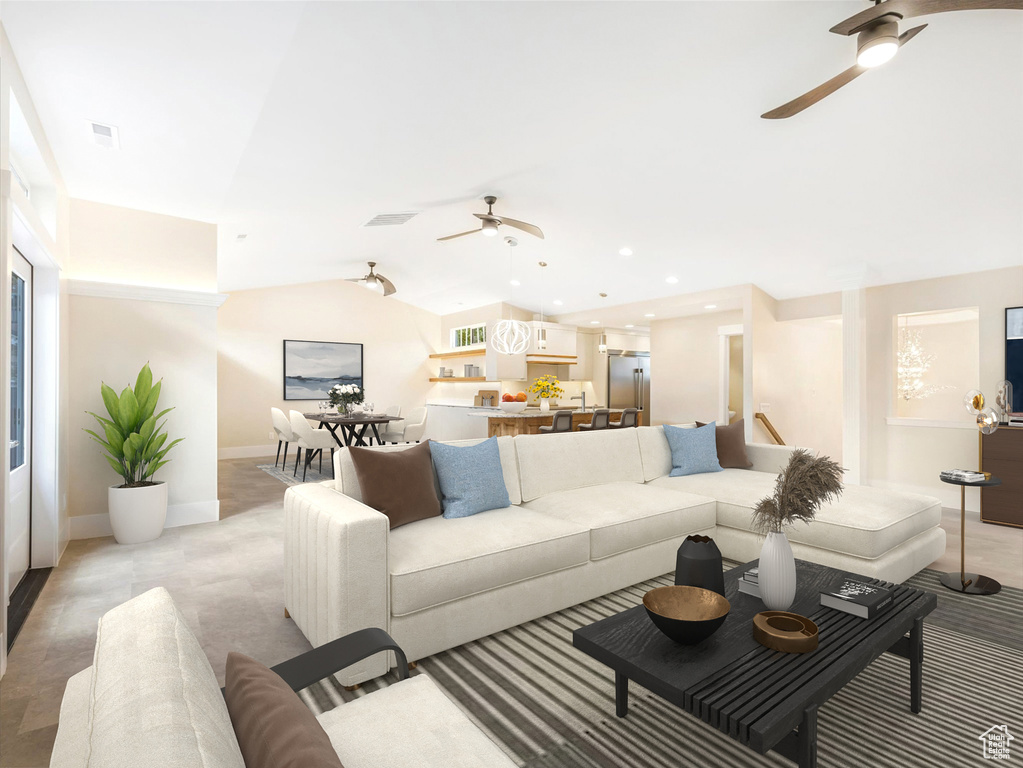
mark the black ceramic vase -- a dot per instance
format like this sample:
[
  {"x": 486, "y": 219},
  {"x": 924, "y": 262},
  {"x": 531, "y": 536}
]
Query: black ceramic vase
[{"x": 699, "y": 564}]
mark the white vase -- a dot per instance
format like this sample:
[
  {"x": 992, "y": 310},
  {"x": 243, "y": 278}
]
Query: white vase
[
  {"x": 777, "y": 575},
  {"x": 137, "y": 514},
  {"x": 545, "y": 404}
]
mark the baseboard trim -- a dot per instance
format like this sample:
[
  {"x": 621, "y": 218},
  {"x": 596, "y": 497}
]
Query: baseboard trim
[
  {"x": 250, "y": 451},
  {"x": 97, "y": 526}
]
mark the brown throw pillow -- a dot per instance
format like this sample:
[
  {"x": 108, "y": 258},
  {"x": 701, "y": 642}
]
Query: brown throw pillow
[
  {"x": 398, "y": 483},
  {"x": 275, "y": 729},
  {"x": 731, "y": 442}
]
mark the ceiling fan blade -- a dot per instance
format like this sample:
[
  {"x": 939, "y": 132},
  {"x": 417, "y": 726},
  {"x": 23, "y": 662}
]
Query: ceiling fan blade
[
  {"x": 810, "y": 98},
  {"x": 388, "y": 285},
  {"x": 909, "y": 34},
  {"x": 460, "y": 234},
  {"x": 906, "y": 9},
  {"x": 530, "y": 228},
  {"x": 355, "y": 279}
]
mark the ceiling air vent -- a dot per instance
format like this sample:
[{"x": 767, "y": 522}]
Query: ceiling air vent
[
  {"x": 390, "y": 219},
  {"x": 104, "y": 135}
]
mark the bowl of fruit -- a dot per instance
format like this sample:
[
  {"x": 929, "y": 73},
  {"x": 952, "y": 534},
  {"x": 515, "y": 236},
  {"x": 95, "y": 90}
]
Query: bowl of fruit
[{"x": 513, "y": 403}]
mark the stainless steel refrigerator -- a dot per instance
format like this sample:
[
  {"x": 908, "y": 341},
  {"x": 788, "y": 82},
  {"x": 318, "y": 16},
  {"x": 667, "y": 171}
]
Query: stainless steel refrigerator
[{"x": 628, "y": 379}]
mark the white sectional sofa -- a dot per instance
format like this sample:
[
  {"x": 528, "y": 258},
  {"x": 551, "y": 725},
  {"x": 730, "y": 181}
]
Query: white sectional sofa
[{"x": 590, "y": 513}]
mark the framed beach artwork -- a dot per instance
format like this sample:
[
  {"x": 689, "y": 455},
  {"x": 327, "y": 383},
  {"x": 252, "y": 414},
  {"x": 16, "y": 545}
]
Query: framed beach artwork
[{"x": 313, "y": 367}]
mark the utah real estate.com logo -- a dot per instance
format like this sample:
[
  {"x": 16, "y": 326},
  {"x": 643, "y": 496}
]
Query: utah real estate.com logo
[{"x": 996, "y": 742}]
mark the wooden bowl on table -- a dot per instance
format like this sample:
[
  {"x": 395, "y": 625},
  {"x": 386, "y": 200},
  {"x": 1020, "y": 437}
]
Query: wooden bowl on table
[{"x": 687, "y": 615}]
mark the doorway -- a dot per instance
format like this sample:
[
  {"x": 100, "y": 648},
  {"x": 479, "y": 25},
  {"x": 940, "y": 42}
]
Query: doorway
[{"x": 18, "y": 532}]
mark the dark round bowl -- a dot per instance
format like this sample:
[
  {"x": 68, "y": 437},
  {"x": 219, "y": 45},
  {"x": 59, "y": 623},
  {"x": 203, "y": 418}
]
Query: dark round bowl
[{"x": 688, "y": 615}]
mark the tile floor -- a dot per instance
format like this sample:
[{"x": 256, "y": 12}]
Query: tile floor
[{"x": 226, "y": 579}]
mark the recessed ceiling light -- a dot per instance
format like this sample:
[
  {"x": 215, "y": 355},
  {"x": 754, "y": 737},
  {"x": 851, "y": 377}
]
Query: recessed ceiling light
[
  {"x": 516, "y": 283},
  {"x": 649, "y": 314},
  {"x": 557, "y": 302},
  {"x": 630, "y": 326},
  {"x": 594, "y": 322},
  {"x": 625, "y": 252},
  {"x": 671, "y": 279},
  {"x": 710, "y": 306}
]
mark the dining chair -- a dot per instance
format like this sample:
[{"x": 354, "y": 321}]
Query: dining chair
[
  {"x": 562, "y": 423},
  {"x": 408, "y": 430},
  {"x": 285, "y": 434},
  {"x": 601, "y": 420},
  {"x": 629, "y": 418},
  {"x": 313, "y": 441},
  {"x": 394, "y": 411}
]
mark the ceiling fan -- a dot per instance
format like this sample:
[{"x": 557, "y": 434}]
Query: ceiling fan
[
  {"x": 490, "y": 223},
  {"x": 375, "y": 282},
  {"x": 878, "y": 40}
]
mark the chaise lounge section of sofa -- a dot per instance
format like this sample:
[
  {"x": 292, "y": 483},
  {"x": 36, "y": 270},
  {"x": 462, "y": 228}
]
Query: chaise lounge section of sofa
[{"x": 589, "y": 514}]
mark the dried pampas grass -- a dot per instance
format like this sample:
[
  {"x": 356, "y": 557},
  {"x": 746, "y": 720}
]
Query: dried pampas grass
[{"x": 802, "y": 488}]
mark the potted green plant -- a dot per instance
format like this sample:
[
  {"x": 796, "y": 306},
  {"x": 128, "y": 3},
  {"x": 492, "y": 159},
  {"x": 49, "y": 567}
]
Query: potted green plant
[{"x": 136, "y": 447}]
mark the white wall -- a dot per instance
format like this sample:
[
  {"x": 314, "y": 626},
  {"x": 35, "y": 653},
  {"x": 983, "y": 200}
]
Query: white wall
[
  {"x": 111, "y": 339},
  {"x": 127, "y": 307},
  {"x": 252, "y": 325},
  {"x": 910, "y": 457},
  {"x": 141, "y": 248},
  {"x": 797, "y": 382},
  {"x": 684, "y": 364}
]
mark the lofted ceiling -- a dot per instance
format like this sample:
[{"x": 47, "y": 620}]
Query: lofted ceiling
[{"x": 609, "y": 125}]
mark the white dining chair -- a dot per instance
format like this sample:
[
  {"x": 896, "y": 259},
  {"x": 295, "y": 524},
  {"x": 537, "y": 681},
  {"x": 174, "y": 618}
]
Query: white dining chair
[
  {"x": 408, "y": 430},
  {"x": 394, "y": 411},
  {"x": 285, "y": 434},
  {"x": 313, "y": 441}
]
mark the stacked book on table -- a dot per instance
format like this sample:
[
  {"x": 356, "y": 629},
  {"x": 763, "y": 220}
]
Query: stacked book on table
[
  {"x": 748, "y": 583},
  {"x": 962, "y": 475},
  {"x": 858, "y": 598}
]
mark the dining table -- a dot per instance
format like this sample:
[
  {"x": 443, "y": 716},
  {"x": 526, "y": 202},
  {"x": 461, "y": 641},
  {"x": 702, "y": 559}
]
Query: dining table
[{"x": 353, "y": 427}]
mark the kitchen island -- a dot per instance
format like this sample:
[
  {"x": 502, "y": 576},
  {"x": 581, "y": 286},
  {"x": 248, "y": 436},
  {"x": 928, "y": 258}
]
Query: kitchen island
[{"x": 530, "y": 420}]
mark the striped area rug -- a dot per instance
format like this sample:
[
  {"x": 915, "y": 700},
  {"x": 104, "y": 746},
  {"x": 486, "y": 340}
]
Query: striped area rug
[
  {"x": 288, "y": 477},
  {"x": 549, "y": 706}
]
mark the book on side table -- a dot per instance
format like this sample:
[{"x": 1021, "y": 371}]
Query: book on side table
[
  {"x": 857, "y": 598},
  {"x": 749, "y": 583}
]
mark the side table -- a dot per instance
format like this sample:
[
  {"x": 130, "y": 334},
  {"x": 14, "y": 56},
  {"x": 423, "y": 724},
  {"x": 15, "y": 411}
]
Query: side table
[{"x": 969, "y": 583}]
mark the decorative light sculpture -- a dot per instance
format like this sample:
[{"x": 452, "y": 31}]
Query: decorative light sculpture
[
  {"x": 510, "y": 337},
  {"x": 987, "y": 418},
  {"x": 912, "y": 365}
]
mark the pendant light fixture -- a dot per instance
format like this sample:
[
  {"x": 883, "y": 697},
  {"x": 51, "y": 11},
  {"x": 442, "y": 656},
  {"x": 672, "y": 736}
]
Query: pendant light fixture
[
  {"x": 602, "y": 342},
  {"x": 510, "y": 337},
  {"x": 541, "y": 334}
]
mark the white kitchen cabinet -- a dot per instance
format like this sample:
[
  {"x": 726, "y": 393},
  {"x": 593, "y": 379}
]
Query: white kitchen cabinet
[
  {"x": 560, "y": 340},
  {"x": 585, "y": 349}
]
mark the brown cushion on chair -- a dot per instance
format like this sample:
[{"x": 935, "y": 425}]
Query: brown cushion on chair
[
  {"x": 275, "y": 729},
  {"x": 731, "y": 443},
  {"x": 398, "y": 483}
]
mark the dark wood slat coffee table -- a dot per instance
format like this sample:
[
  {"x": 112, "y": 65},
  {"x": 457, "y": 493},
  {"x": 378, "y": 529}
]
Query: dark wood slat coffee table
[{"x": 762, "y": 698}]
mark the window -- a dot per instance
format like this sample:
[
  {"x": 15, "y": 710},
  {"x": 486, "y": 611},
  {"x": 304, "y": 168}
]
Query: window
[
  {"x": 937, "y": 361},
  {"x": 19, "y": 338},
  {"x": 469, "y": 336}
]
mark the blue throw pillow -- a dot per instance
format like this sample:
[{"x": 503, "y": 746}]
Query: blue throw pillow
[
  {"x": 471, "y": 479},
  {"x": 693, "y": 451}
]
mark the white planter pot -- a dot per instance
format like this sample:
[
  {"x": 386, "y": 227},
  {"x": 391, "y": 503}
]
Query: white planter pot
[
  {"x": 777, "y": 576},
  {"x": 137, "y": 514},
  {"x": 545, "y": 404}
]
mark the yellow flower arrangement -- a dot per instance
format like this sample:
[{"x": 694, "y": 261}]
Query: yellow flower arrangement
[{"x": 546, "y": 387}]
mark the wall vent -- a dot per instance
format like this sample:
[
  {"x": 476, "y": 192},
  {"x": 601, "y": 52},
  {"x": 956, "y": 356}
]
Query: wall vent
[
  {"x": 104, "y": 135},
  {"x": 390, "y": 219}
]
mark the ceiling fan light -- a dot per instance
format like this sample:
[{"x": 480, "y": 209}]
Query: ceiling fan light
[
  {"x": 877, "y": 45},
  {"x": 489, "y": 227}
]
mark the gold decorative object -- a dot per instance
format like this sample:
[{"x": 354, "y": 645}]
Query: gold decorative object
[
  {"x": 687, "y": 615},
  {"x": 784, "y": 631}
]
